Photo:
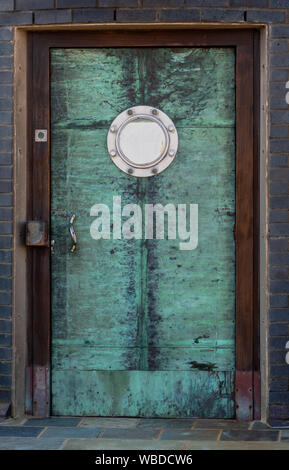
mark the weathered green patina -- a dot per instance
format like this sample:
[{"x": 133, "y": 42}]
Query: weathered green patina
[{"x": 139, "y": 327}]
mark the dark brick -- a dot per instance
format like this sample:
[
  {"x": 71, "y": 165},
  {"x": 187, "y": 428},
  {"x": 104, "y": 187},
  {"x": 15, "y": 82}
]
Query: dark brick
[
  {"x": 75, "y": 3},
  {"x": 136, "y": 15},
  {"x": 278, "y": 244},
  {"x": 5, "y": 326},
  {"x": 33, "y": 4},
  {"x": 279, "y": 397},
  {"x": 5, "y": 339},
  {"x": 6, "y": 48},
  {"x": 279, "y": 329},
  {"x": 279, "y": 202},
  {"x": 6, "y": 270},
  {"x": 223, "y": 15},
  {"x": 91, "y": 16},
  {"x": 205, "y": 3},
  {"x": 280, "y": 117},
  {"x": 52, "y": 16},
  {"x": 5, "y": 132},
  {"x": 5, "y": 159},
  {"x": 5, "y": 91},
  {"x": 16, "y": 18},
  {"x": 5, "y": 214},
  {"x": 279, "y": 411},
  {"x": 5, "y": 367},
  {"x": 5, "y": 173},
  {"x": 279, "y": 146},
  {"x": 280, "y": 287},
  {"x": 5, "y": 117},
  {"x": 278, "y": 423},
  {"x": 280, "y": 31},
  {"x": 278, "y": 314},
  {"x": 5, "y": 395},
  {"x": 279, "y": 131},
  {"x": 5, "y": 77},
  {"x": 275, "y": 188},
  {"x": 187, "y": 14},
  {"x": 5, "y": 381},
  {"x": 279, "y": 174},
  {"x": 279, "y": 3},
  {"x": 250, "y": 3},
  {"x": 6, "y": 62},
  {"x": 280, "y": 230},
  {"x": 5, "y": 242},
  {"x": 5, "y": 298},
  {"x": 5, "y": 104},
  {"x": 278, "y": 272},
  {"x": 5, "y": 187},
  {"x": 5, "y": 256},
  {"x": 277, "y": 357},
  {"x": 5, "y": 311},
  {"x": 5, "y": 34},
  {"x": 278, "y": 216},
  {"x": 5, "y": 284},
  {"x": 7, "y": 5},
  {"x": 6, "y": 200},
  {"x": 20, "y": 431},
  {"x": 279, "y": 60},
  {"x": 130, "y": 3},
  {"x": 5, "y": 228},
  {"x": 5, "y": 145},
  {"x": 279, "y": 45},
  {"x": 278, "y": 300},
  {"x": 279, "y": 75},
  {"x": 277, "y": 89},
  {"x": 279, "y": 160},
  {"x": 279, "y": 258},
  {"x": 280, "y": 371},
  {"x": 277, "y": 102},
  {"x": 149, "y": 3},
  {"x": 266, "y": 16}
]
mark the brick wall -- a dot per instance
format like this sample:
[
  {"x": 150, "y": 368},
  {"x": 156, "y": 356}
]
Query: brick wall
[{"x": 274, "y": 12}]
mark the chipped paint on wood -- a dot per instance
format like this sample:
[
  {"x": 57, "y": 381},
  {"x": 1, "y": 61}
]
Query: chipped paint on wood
[{"x": 131, "y": 318}]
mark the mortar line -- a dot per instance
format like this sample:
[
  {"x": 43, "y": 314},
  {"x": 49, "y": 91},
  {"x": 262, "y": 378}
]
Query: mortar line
[
  {"x": 63, "y": 444},
  {"x": 42, "y": 432},
  {"x": 250, "y": 426},
  {"x": 80, "y": 422},
  {"x": 279, "y": 436},
  {"x": 219, "y": 435},
  {"x": 186, "y": 445},
  {"x": 160, "y": 433}
]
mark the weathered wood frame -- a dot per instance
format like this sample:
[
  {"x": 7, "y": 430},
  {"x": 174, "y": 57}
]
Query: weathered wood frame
[{"x": 246, "y": 43}]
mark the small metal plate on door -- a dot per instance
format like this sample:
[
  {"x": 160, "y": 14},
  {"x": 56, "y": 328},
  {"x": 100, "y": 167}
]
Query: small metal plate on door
[
  {"x": 36, "y": 233},
  {"x": 142, "y": 141},
  {"x": 40, "y": 135}
]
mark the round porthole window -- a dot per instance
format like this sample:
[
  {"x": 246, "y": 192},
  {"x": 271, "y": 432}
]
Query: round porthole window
[{"x": 142, "y": 141}]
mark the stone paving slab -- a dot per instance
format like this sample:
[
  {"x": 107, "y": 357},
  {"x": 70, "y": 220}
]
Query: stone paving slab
[
  {"x": 222, "y": 445},
  {"x": 166, "y": 423},
  {"x": 20, "y": 431},
  {"x": 32, "y": 443},
  {"x": 43, "y": 422},
  {"x": 122, "y": 444},
  {"x": 109, "y": 422},
  {"x": 220, "y": 424},
  {"x": 199, "y": 435},
  {"x": 136, "y": 433},
  {"x": 66, "y": 433},
  {"x": 285, "y": 435},
  {"x": 236, "y": 435}
]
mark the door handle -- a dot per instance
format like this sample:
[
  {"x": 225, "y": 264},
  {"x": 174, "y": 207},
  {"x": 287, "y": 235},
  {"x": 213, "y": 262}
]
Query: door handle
[{"x": 72, "y": 233}]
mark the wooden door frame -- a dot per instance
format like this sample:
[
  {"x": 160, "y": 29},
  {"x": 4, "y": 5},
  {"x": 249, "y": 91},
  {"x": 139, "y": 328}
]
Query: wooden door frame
[{"x": 246, "y": 44}]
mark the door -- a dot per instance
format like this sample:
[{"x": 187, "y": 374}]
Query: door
[{"x": 141, "y": 325}]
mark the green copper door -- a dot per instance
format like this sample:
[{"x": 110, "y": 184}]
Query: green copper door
[{"x": 140, "y": 326}]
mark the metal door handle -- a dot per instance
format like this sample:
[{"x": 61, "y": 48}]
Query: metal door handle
[{"x": 72, "y": 233}]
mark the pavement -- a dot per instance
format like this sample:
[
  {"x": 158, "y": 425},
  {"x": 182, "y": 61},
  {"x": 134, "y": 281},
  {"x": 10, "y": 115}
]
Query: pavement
[{"x": 89, "y": 433}]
